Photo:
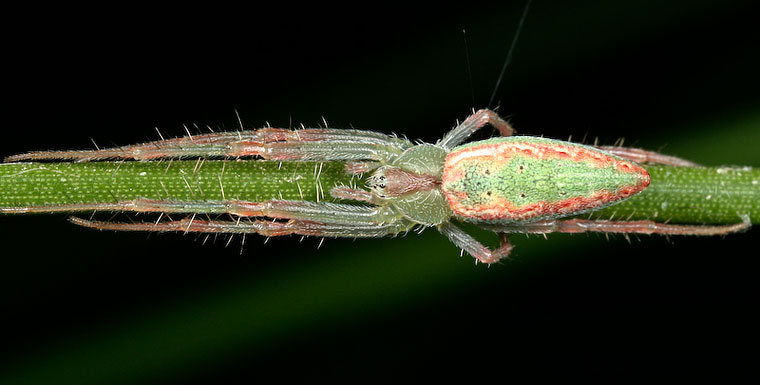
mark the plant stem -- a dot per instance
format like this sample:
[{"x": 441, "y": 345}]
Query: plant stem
[
  {"x": 710, "y": 195},
  {"x": 50, "y": 184}
]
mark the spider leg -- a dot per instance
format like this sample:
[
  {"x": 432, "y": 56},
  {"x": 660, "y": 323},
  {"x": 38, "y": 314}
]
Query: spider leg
[
  {"x": 325, "y": 212},
  {"x": 473, "y": 123},
  {"x": 358, "y": 167},
  {"x": 468, "y": 243},
  {"x": 643, "y": 156},
  {"x": 282, "y": 218},
  {"x": 263, "y": 227},
  {"x": 337, "y": 213},
  {"x": 198, "y": 145},
  {"x": 142, "y": 205},
  {"x": 320, "y": 145},
  {"x": 625, "y": 227},
  {"x": 315, "y": 144},
  {"x": 344, "y": 192}
]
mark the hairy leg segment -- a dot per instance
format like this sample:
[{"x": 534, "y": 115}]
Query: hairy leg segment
[
  {"x": 269, "y": 218},
  {"x": 315, "y": 144}
]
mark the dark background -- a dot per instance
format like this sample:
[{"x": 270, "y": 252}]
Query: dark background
[{"x": 84, "y": 306}]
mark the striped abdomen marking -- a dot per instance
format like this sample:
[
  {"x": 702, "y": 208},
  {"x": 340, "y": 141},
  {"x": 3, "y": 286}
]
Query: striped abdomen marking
[{"x": 526, "y": 178}]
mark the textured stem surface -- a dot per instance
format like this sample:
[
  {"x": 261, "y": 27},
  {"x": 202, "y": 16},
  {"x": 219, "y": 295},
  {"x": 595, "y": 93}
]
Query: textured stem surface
[
  {"x": 710, "y": 195},
  {"x": 714, "y": 195},
  {"x": 49, "y": 184}
]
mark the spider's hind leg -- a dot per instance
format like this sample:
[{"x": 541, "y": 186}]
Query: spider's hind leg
[
  {"x": 643, "y": 156},
  {"x": 623, "y": 227}
]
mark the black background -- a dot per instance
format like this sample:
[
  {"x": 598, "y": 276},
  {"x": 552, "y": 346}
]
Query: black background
[{"x": 626, "y": 70}]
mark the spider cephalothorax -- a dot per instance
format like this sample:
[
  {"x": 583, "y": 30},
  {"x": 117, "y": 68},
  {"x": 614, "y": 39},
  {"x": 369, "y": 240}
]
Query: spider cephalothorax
[{"x": 394, "y": 182}]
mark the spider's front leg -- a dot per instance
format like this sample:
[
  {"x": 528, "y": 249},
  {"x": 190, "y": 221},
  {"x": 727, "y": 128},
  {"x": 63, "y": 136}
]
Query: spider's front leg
[
  {"x": 307, "y": 210},
  {"x": 473, "y": 123},
  {"x": 310, "y": 144},
  {"x": 262, "y": 227},
  {"x": 283, "y": 217},
  {"x": 320, "y": 145},
  {"x": 327, "y": 212}
]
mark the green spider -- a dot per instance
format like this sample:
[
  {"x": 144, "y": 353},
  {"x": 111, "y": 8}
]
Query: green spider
[{"x": 511, "y": 184}]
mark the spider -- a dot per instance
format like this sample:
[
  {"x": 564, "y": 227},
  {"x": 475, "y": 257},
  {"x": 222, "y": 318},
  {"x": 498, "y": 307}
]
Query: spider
[{"x": 508, "y": 184}]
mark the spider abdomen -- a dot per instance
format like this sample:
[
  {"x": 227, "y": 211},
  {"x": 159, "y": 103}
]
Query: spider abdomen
[{"x": 507, "y": 180}]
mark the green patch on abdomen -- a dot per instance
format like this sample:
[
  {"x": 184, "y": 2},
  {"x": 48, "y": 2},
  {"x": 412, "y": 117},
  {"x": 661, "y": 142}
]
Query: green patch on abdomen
[{"x": 524, "y": 181}]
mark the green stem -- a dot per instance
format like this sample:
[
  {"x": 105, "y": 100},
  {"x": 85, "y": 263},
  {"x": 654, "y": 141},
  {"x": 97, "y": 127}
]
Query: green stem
[
  {"x": 710, "y": 195},
  {"x": 50, "y": 184}
]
